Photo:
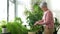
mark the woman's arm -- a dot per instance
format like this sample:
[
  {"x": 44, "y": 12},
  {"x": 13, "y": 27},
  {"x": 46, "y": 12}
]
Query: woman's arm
[
  {"x": 39, "y": 22},
  {"x": 47, "y": 19}
]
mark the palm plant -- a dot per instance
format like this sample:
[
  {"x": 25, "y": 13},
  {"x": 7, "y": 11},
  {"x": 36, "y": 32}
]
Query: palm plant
[{"x": 56, "y": 26}]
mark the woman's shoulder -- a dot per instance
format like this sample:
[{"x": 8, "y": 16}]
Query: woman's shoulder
[{"x": 49, "y": 12}]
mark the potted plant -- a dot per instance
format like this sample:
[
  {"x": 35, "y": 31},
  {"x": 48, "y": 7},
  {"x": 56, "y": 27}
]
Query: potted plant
[
  {"x": 16, "y": 27},
  {"x": 4, "y": 29},
  {"x": 56, "y": 26},
  {"x": 38, "y": 29},
  {"x": 32, "y": 30},
  {"x": 0, "y": 29},
  {"x": 33, "y": 16},
  {"x": 3, "y": 25}
]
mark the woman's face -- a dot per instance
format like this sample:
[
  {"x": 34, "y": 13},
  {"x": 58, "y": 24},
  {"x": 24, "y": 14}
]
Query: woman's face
[{"x": 44, "y": 8}]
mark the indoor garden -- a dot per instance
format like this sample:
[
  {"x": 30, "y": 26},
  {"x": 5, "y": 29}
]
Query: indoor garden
[{"x": 19, "y": 16}]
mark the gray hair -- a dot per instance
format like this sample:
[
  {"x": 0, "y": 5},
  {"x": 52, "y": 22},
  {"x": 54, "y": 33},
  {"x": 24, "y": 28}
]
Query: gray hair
[{"x": 43, "y": 4}]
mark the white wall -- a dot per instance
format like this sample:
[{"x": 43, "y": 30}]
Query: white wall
[{"x": 54, "y": 5}]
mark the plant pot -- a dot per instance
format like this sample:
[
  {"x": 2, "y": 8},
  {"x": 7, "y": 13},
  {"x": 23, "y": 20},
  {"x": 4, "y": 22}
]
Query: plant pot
[
  {"x": 31, "y": 32},
  {"x": 4, "y": 30},
  {"x": 39, "y": 32},
  {"x": 6, "y": 33},
  {"x": 55, "y": 32}
]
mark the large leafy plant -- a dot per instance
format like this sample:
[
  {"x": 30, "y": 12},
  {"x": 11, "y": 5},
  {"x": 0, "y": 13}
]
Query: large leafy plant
[
  {"x": 33, "y": 16},
  {"x": 16, "y": 27},
  {"x": 56, "y": 25},
  {"x": 0, "y": 29}
]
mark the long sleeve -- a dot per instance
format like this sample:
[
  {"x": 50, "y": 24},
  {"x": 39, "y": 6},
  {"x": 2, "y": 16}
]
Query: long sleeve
[{"x": 47, "y": 19}]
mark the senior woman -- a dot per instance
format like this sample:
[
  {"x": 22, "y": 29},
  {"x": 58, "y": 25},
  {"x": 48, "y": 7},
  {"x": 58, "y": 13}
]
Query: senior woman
[{"x": 47, "y": 20}]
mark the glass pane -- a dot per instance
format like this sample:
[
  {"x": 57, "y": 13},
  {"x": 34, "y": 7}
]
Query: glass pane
[
  {"x": 21, "y": 12},
  {"x": 11, "y": 11},
  {"x": 11, "y": 0},
  {"x": 22, "y": 4},
  {"x": 3, "y": 10}
]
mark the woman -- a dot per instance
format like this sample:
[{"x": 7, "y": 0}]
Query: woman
[{"x": 47, "y": 20}]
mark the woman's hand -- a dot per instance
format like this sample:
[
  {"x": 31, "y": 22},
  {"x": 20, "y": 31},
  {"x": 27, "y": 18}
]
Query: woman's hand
[
  {"x": 39, "y": 22},
  {"x": 36, "y": 23}
]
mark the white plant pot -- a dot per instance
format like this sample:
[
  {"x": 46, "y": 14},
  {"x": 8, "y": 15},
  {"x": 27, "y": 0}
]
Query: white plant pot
[
  {"x": 31, "y": 32},
  {"x": 4, "y": 30}
]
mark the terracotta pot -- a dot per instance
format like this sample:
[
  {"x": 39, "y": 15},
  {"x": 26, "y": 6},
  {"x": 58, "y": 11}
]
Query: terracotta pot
[{"x": 31, "y": 32}]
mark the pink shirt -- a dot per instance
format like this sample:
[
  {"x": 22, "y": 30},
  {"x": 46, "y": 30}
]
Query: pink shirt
[
  {"x": 44, "y": 17},
  {"x": 48, "y": 19}
]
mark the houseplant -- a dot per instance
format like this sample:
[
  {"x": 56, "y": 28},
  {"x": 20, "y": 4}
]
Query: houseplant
[
  {"x": 56, "y": 26},
  {"x": 0, "y": 29},
  {"x": 33, "y": 16},
  {"x": 3, "y": 26},
  {"x": 16, "y": 27},
  {"x": 4, "y": 29}
]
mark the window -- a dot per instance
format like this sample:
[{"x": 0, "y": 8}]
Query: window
[
  {"x": 22, "y": 4},
  {"x": 11, "y": 11},
  {"x": 3, "y": 10}
]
